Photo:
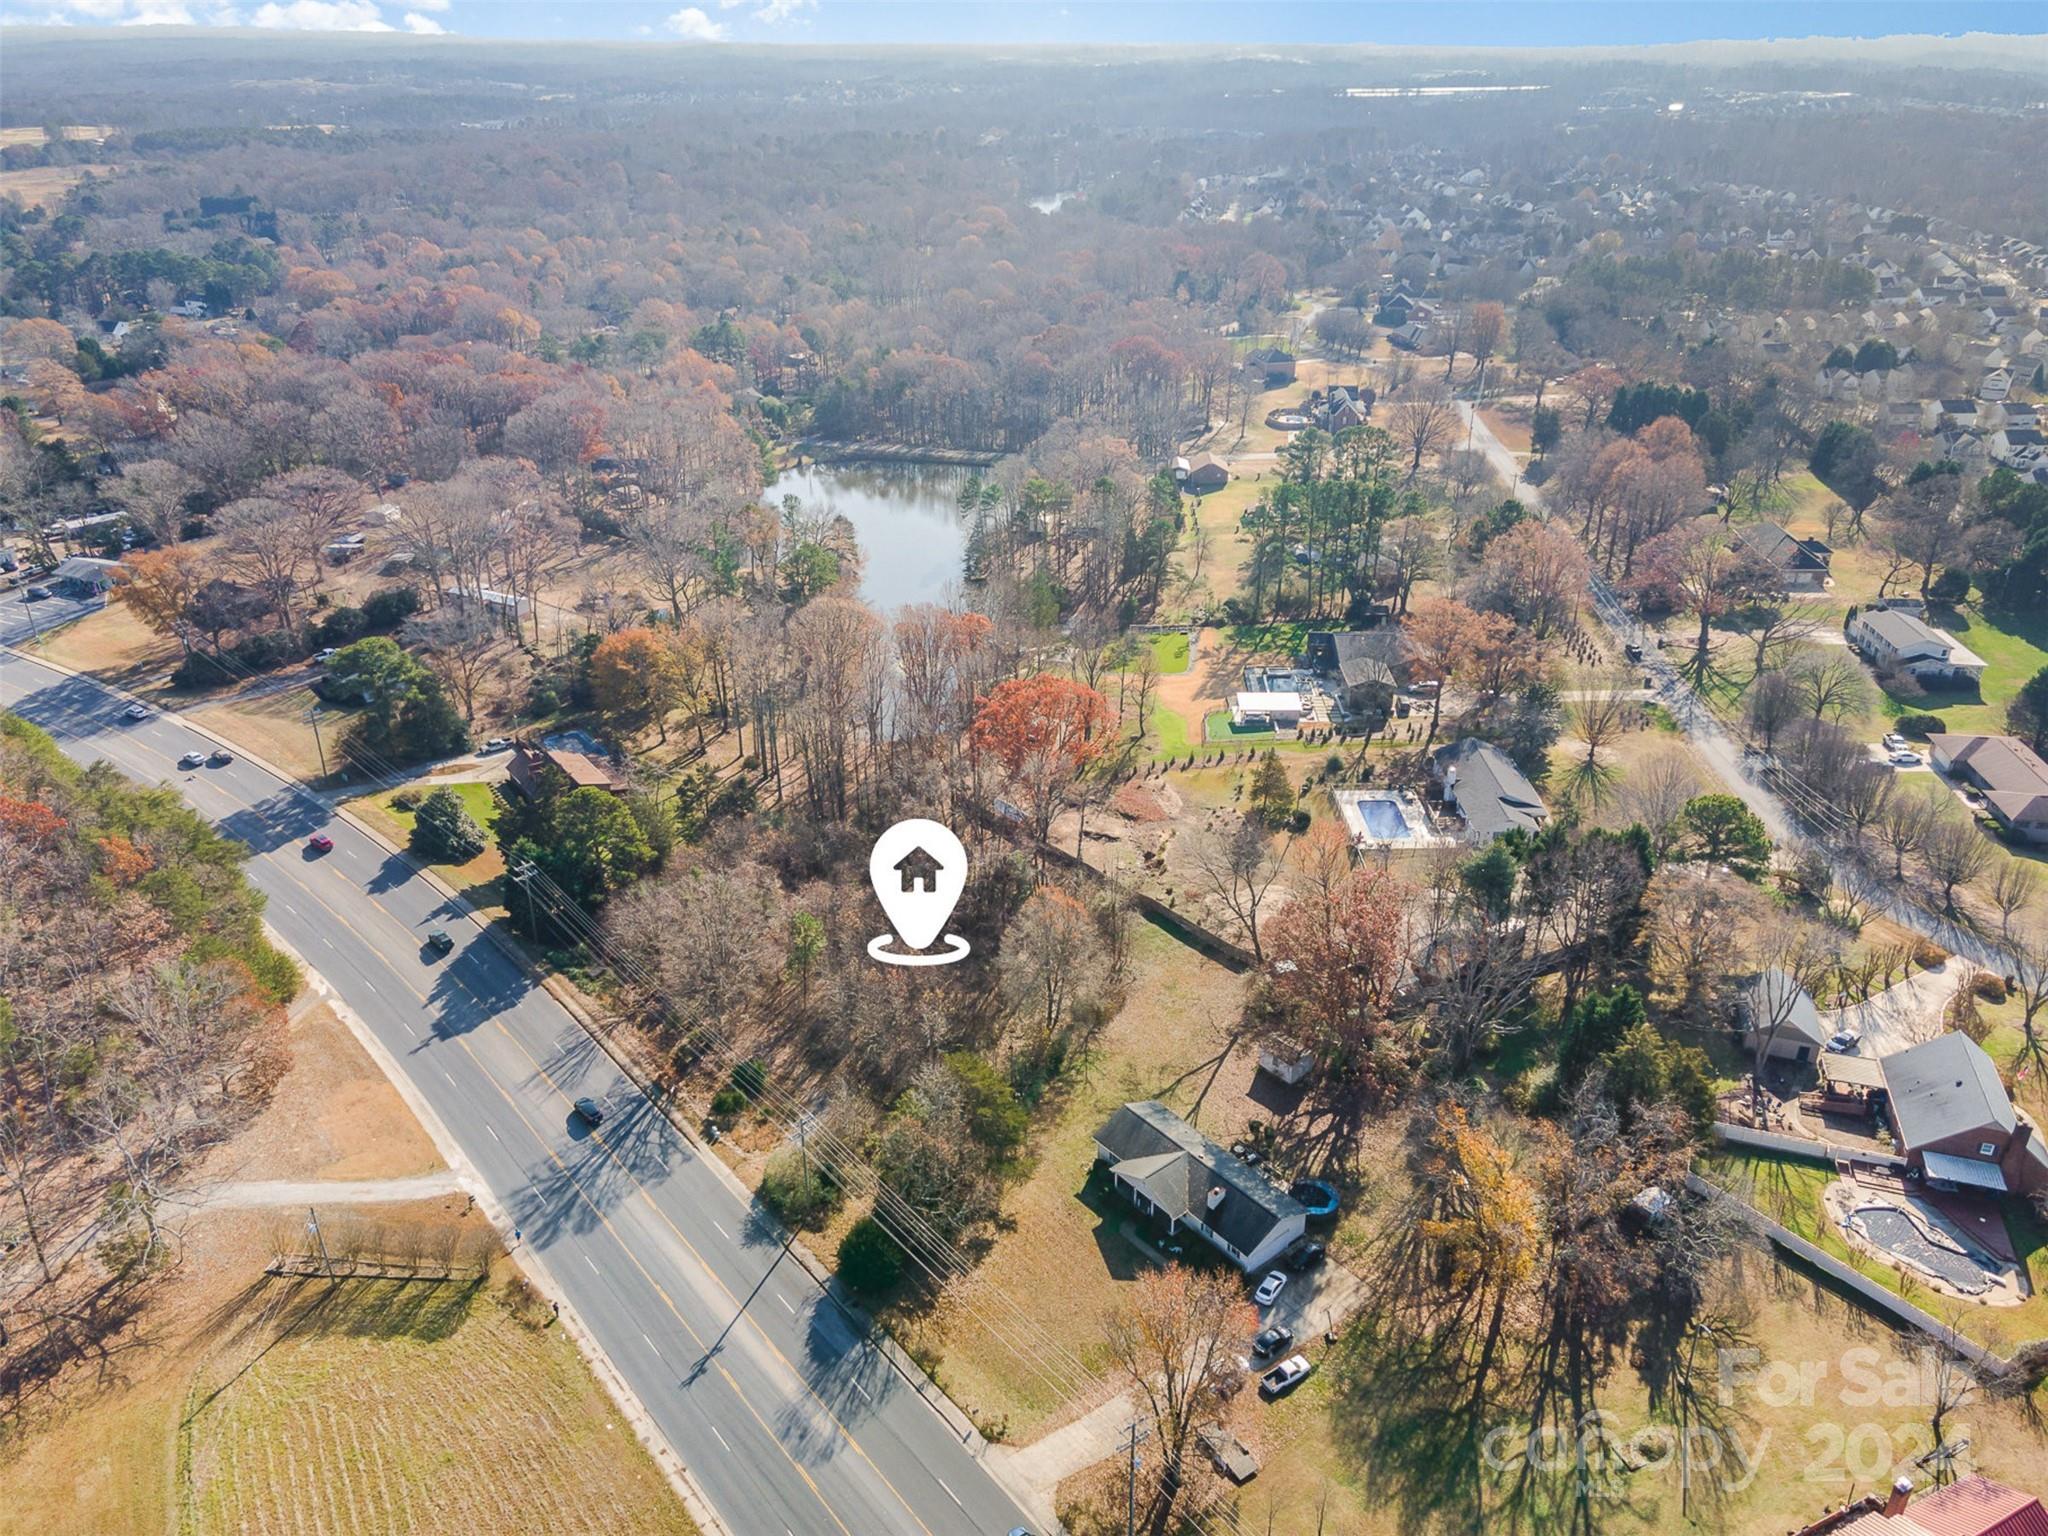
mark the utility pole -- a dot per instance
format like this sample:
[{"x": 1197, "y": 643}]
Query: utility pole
[
  {"x": 522, "y": 872},
  {"x": 313, "y": 719},
  {"x": 1134, "y": 1433}
]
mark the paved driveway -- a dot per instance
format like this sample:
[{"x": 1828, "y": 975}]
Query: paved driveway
[{"x": 1908, "y": 1013}]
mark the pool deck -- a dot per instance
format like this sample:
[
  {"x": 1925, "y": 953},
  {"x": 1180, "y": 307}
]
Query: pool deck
[
  {"x": 1410, "y": 809},
  {"x": 1970, "y": 1224}
]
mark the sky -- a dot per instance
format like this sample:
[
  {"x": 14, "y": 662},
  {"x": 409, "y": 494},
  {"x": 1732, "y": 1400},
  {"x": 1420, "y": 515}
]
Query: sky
[{"x": 1504, "y": 23}]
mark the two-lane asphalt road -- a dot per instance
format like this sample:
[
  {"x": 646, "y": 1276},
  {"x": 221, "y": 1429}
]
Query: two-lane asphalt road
[{"x": 790, "y": 1423}]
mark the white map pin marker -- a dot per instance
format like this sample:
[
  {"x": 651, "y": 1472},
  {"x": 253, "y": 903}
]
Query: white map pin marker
[{"x": 919, "y": 870}]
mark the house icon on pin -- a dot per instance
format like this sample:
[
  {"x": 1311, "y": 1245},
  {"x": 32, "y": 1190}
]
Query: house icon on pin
[{"x": 919, "y": 871}]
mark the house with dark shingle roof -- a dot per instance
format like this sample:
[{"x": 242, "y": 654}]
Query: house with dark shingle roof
[
  {"x": 1801, "y": 565},
  {"x": 1952, "y": 1118},
  {"x": 1483, "y": 785},
  {"x": 1171, "y": 1170},
  {"x": 1367, "y": 665}
]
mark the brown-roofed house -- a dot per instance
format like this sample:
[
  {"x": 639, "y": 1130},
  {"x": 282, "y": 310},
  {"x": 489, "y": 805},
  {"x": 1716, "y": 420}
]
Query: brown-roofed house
[
  {"x": 1206, "y": 473},
  {"x": 533, "y": 766},
  {"x": 2012, "y": 775}
]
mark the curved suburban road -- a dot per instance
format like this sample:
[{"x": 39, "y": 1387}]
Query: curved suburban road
[
  {"x": 1721, "y": 751},
  {"x": 789, "y": 1421}
]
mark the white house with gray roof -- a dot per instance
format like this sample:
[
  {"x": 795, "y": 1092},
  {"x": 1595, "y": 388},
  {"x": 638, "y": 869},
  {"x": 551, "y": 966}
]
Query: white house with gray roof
[
  {"x": 1483, "y": 785},
  {"x": 1170, "y": 1169},
  {"x": 1893, "y": 641}
]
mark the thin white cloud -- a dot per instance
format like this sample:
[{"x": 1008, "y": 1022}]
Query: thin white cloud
[
  {"x": 159, "y": 13},
  {"x": 774, "y": 11},
  {"x": 321, "y": 16},
  {"x": 99, "y": 10},
  {"x": 692, "y": 24},
  {"x": 423, "y": 26},
  {"x": 431, "y": 5}
]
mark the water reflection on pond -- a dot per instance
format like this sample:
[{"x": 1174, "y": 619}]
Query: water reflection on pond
[{"x": 907, "y": 517}]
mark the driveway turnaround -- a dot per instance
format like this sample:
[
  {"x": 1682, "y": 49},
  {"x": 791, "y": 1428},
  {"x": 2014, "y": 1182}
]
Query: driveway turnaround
[{"x": 790, "y": 1422}]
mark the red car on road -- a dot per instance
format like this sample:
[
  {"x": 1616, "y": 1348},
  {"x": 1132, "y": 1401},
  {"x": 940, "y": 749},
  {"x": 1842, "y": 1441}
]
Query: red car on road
[{"x": 320, "y": 842}]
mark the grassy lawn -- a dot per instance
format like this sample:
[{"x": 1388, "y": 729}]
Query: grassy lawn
[
  {"x": 1170, "y": 651},
  {"x": 1282, "y": 639},
  {"x": 1170, "y": 731},
  {"x": 1217, "y": 729},
  {"x": 110, "y": 643},
  {"x": 481, "y": 880},
  {"x": 2013, "y": 647},
  {"x": 275, "y": 729},
  {"x": 1059, "y": 1258},
  {"x": 238, "y": 1402},
  {"x": 1788, "y": 1190},
  {"x": 380, "y": 1406}
]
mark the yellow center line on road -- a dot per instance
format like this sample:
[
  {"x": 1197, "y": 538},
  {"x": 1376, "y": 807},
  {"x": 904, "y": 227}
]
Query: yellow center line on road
[
  {"x": 598, "y": 1211},
  {"x": 640, "y": 1189}
]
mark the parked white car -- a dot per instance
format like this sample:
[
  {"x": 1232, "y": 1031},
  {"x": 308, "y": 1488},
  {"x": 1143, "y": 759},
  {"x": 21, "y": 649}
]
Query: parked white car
[
  {"x": 1894, "y": 742},
  {"x": 1905, "y": 759},
  {"x": 1270, "y": 1288}
]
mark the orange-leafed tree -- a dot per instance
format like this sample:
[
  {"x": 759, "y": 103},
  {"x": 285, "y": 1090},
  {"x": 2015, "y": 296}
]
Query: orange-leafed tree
[
  {"x": 637, "y": 677},
  {"x": 1044, "y": 731},
  {"x": 1337, "y": 950},
  {"x": 1443, "y": 638},
  {"x": 1177, "y": 1336},
  {"x": 159, "y": 587}
]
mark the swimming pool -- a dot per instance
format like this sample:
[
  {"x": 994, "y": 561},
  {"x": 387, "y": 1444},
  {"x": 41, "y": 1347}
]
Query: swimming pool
[
  {"x": 1384, "y": 818},
  {"x": 1899, "y": 1235}
]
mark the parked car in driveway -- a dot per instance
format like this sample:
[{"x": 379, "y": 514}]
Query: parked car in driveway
[
  {"x": 1270, "y": 1288},
  {"x": 192, "y": 760},
  {"x": 498, "y": 744},
  {"x": 1905, "y": 759},
  {"x": 1285, "y": 1377},
  {"x": 326, "y": 654},
  {"x": 1842, "y": 1041},
  {"x": 1305, "y": 1256},
  {"x": 1894, "y": 742},
  {"x": 1272, "y": 1341}
]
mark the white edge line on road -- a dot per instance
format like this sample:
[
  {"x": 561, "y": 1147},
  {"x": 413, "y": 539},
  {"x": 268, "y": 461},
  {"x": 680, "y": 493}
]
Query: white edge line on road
[
  {"x": 721, "y": 1439},
  {"x": 593, "y": 1265},
  {"x": 721, "y": 1230},
  {"x": 949, "y": 1492},
  {"x": 787, "y": 1307}
]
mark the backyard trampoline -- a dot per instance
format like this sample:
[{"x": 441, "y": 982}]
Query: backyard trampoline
[
  {"x": 1899, "y": 1235},
  {"x": 1318, "y": 1197}
]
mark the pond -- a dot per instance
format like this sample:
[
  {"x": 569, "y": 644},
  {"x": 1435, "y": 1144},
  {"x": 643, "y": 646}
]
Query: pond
[{"x": 906, "y": 516}]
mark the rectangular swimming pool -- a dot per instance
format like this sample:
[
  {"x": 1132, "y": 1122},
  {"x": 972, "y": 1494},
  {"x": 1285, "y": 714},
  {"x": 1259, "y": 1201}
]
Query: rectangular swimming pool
[{"x": 1383, "y": 819}]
